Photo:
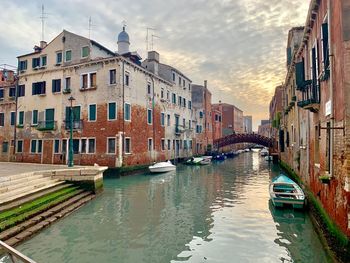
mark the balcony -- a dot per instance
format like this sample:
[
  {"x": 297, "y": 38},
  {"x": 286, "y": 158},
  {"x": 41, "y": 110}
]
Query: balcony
[
  {"x": 46, "y": 126},
  {"x": 310, "y": 97},
  {"x": 77, "y": 125},
  {"x": 179, "y": 129},
  {"x": 67, "y": 91}
]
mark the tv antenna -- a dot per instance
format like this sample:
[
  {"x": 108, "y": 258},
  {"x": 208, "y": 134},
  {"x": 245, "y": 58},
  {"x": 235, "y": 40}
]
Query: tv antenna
[
  {"x": 152, "y": 42},
  {"x": 90, "y": 26},
  {"x": 147, "y": 39},
  {"x": 43, "y": 17}
]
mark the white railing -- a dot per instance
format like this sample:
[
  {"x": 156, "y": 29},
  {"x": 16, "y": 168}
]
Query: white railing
[{"x": 13, "y": 254}]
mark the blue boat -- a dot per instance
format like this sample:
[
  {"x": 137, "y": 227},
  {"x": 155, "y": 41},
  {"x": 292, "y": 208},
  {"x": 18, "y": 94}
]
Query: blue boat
[{"x": 284, "y": 191}]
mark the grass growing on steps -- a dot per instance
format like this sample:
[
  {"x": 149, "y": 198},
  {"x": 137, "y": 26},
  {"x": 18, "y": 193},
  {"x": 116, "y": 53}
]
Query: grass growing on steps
[{"x": 17, "y": 215}]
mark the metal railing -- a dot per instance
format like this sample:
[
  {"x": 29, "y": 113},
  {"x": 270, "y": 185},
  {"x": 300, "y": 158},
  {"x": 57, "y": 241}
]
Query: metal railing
[
  {"x": 46, "y": 125},
  {"x": 310, "y": 95},
  {"x": 12, "y": 254}
]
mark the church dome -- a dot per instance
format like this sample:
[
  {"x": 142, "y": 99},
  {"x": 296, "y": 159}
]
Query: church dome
[{"x": 123, "y": 36}]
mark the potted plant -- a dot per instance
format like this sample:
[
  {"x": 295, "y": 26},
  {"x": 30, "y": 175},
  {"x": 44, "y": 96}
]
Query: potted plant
[{"x": 325, "y": 179}]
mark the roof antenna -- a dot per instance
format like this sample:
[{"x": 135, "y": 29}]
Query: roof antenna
[
  {"x": 153, "y": 36},
  {"x": 42, "y": 17},
  {"x": 147, "y": 39},
  {"x": 90, "y": 26}
]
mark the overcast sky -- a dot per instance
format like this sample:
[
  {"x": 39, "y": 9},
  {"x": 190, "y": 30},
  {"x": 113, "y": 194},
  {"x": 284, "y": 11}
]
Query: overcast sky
[{"x": 237, "y": 45}]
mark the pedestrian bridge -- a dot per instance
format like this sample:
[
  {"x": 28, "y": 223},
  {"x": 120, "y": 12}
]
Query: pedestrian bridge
[{"x": 243, "y": 138}]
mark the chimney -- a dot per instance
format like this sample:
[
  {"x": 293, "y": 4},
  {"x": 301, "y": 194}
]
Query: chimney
[
  {"x": 153, "y": 62},
  {"x": 205, "y": 84},
  {"x": 43, "y": 44}
]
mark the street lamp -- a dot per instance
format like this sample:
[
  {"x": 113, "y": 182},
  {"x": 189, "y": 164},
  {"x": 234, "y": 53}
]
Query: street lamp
[{"x": 70, "y": 153}]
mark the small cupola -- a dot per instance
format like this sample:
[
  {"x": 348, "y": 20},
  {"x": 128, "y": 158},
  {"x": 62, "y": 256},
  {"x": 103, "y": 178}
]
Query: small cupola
[{"x": 123, "y": 42}]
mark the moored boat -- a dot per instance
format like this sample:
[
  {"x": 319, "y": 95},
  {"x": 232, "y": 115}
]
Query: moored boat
[
  {"x": 206, "y": 160},
  {"x": 264, "y": 152},
  {"x": 194, "y": 161},
  {"x": 284, "y": 191},
  {"x": 162, "y": 167}
]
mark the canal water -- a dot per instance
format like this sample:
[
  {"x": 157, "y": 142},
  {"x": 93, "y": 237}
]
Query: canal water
[{"x": 215, "y": 213}]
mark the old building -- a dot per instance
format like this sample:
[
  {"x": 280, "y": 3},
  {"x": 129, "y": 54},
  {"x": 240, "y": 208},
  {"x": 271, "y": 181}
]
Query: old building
[
  {"x": 276, "y": 114},
  {"x": 248, "y": 124},
  {"x": 315, "y": 128},
  {"x": 232, "y": 118},
  {"x": 264, "y": 128},
  {"x": 201, "y": 102},
  {"x": 217, "y": 123},
  {"x": 124, "y": 113},
  {"x": 7, "y": 112}
]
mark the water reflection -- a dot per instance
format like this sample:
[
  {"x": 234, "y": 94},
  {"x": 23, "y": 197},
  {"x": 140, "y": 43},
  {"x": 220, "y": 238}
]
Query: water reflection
[{"x": 214, "y": 213}]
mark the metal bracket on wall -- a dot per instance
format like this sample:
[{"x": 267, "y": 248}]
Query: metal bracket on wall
[{"x": 333, "y": 128}]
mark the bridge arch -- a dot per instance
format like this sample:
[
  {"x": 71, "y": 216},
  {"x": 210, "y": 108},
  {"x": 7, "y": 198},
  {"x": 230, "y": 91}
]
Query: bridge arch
[{"x": 244, "y": 138}]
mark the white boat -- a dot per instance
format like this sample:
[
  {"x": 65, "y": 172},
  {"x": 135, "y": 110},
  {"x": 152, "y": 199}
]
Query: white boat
[
  {"x": 268, "y": 158},
  {"x": 206, "y": 160},
  {"x": 162, "y": 167},
  {"x": 264, "y": 152},
  {"x": 285, "y": 191},
  {"x": 194, "y": 161}
]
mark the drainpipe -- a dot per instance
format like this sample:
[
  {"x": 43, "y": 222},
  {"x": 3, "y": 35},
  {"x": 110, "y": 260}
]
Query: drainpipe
[
  {"x": 331, "y": 56},
  {"x": 16, "y": 109},
  {"x": 153, "y": 122},
  {"x": 123, "y": 108}
]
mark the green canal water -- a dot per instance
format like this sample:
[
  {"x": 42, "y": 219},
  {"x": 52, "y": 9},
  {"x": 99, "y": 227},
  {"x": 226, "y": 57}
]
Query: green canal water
[{"x": 215, "y": 213}]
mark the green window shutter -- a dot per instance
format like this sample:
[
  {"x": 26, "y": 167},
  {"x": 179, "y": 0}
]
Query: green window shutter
[
  {"x": 40, "y": 146},
  {"x": 92, "y": 113},
  {"x": 85, "y": 52},
  {"x": 67, "y": 114},
  {"x": 149, "y": 116},
  {"x": 127, "y": 113},
  {"x": 68, "y": 55},
  {"x": 21, "y": 118},
  {"x": 33, "y": 146},
  {"x": 35, "y": 117},
  {"x": 300, "y": 74},
  {"x": 112, "y": 111},
  {"x": 76, "y": 113},
  {"x": 57, "y": 146},
  {"x": 325, "y": 45}
]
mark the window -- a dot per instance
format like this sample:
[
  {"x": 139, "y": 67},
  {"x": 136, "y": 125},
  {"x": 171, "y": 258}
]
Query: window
[
  {"x": 162, "y": 119},
  {"x": 325, "y": 46},
  {"x": 21, "y": 118},
  {"x": 112, "y": 76},
  {"x": 91, "y": 145},
  {"x": 179, "y": 81},
  {"x": 59, "y": 57},
  {"x": 163, "y": 144},
  {"x": 36, "y": 146},
  {"x": 21, "y": 91},
  {"x": 35, "y": 117},
  {"x": 1, "y": 93},
  {"x": 184, "y": 122},
  {"x": 127, "y": 112},
  {"x": 189, "y": 86},
  {"x": 92, "y": 112},
  {"x": 149, "y": 91},
  {"x": 127, "y": 145},
  {"x": 64, "y": 145},
  {"x": 127, "y": 79},
  {"x": 168, "y": 120},
  {"x": 12, "y": 92},
  {"x": 56, "y": 148},
  {"x": 112, "y": 111},
  {"x": 5, "y": 147},
  {"x": 84, "y": 52},
  {"x": 56, "y": 85},
  {"x": 184, "y": 103},
  {"x": 84, "y": 81},
  {"x": 68, "y": 56},
  {"x": 23, "y": 65},
  {"x": 169, "y": 144},
  {"x": 19, "y": 148},
  {"x": 111, "y": 145},
  {"x": 43, "y": 61},
  {"x": 180, "y": 100},
  {"x": 174, "y": 76},
  {"x": 149, "y": 116},
  {"x": 162, "y": 93},
  {"x": 83, "y": 145},
  {"x": 183, "y": 83},
  {"x": 76, "y": 143},
  {"x": 39, "y": 88},
  {"x": 216, "y": 117},
  {"x": 93, "y": 80},
  {"x": 190, "y": 124},
  {"x": 219, "y": 118},
  {"x": 67, "y": 84},
  {"x": 12, "y": 118},
  {"x": 150, "y": 144},
  {"x": 201, "y": 114},
  {"x": 35, "y": 62},
  {"x": 174, "y": 98},
  {"x": 168, "y": 95},
  {"x": 2, "y": 119}
]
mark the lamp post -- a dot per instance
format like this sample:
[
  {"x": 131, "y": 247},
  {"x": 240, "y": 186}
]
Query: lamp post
[{"x": 70, "y": 152}]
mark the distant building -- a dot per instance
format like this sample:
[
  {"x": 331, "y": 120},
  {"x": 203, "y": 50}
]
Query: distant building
[
  {"x": 264, "y": 128},
  {"x": 248, "y": 124},
  {"x": 201, "y": 103},
  {"x": 7, "y": 112},
  {"x": 276, "y": 114},
  {"x": 232, "y": 118},
  {"x": 217, "y": 123}
]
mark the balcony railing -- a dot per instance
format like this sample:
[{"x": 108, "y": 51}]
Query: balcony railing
[
  {"x": 46, "y": 125},
  {"x": 310, "y": 97},
  {"x": 77, "y": 124},
  {"x": 179, "y": 129}
]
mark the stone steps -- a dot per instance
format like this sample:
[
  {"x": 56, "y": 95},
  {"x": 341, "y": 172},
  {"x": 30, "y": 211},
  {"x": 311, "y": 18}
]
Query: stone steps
[
  {"x": 17, "y": 234},
  {"x": 23, "y": 183}
]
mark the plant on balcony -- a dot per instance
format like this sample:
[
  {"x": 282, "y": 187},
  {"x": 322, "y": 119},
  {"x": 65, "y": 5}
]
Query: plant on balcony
[
  {"x": 67, "y": 91},
  {"x": 325, "y": 179},
  {"x": 294, "y": 98}
]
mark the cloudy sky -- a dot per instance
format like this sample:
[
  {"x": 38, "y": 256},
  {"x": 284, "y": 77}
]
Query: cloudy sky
[{"x": 237, "y": 45}]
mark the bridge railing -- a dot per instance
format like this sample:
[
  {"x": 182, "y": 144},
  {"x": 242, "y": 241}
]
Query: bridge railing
[{"x": 9, "y": 253}]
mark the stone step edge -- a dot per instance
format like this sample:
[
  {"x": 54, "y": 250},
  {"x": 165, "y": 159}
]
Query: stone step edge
[
  {"x": 29, "y": 232},
  {"x": 34, "y": 191},
  {"x": 15, "y": 186},
  {"x": 4, "y": 183},
  {"x": 34, "y": 196},
  {"x": 42, "y": 215}
]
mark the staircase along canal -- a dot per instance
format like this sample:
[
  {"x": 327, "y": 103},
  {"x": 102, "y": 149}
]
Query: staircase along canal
[{"x": 214, "y": 213}]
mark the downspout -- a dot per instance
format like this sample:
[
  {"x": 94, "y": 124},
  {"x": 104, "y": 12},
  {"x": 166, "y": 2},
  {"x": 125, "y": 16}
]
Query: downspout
[
  {"x": 153, "y": 122},
  {"x": 16, "y": 109},
  {"x": 330, "y": 12},
  {"x": 123, "y": 108}
]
